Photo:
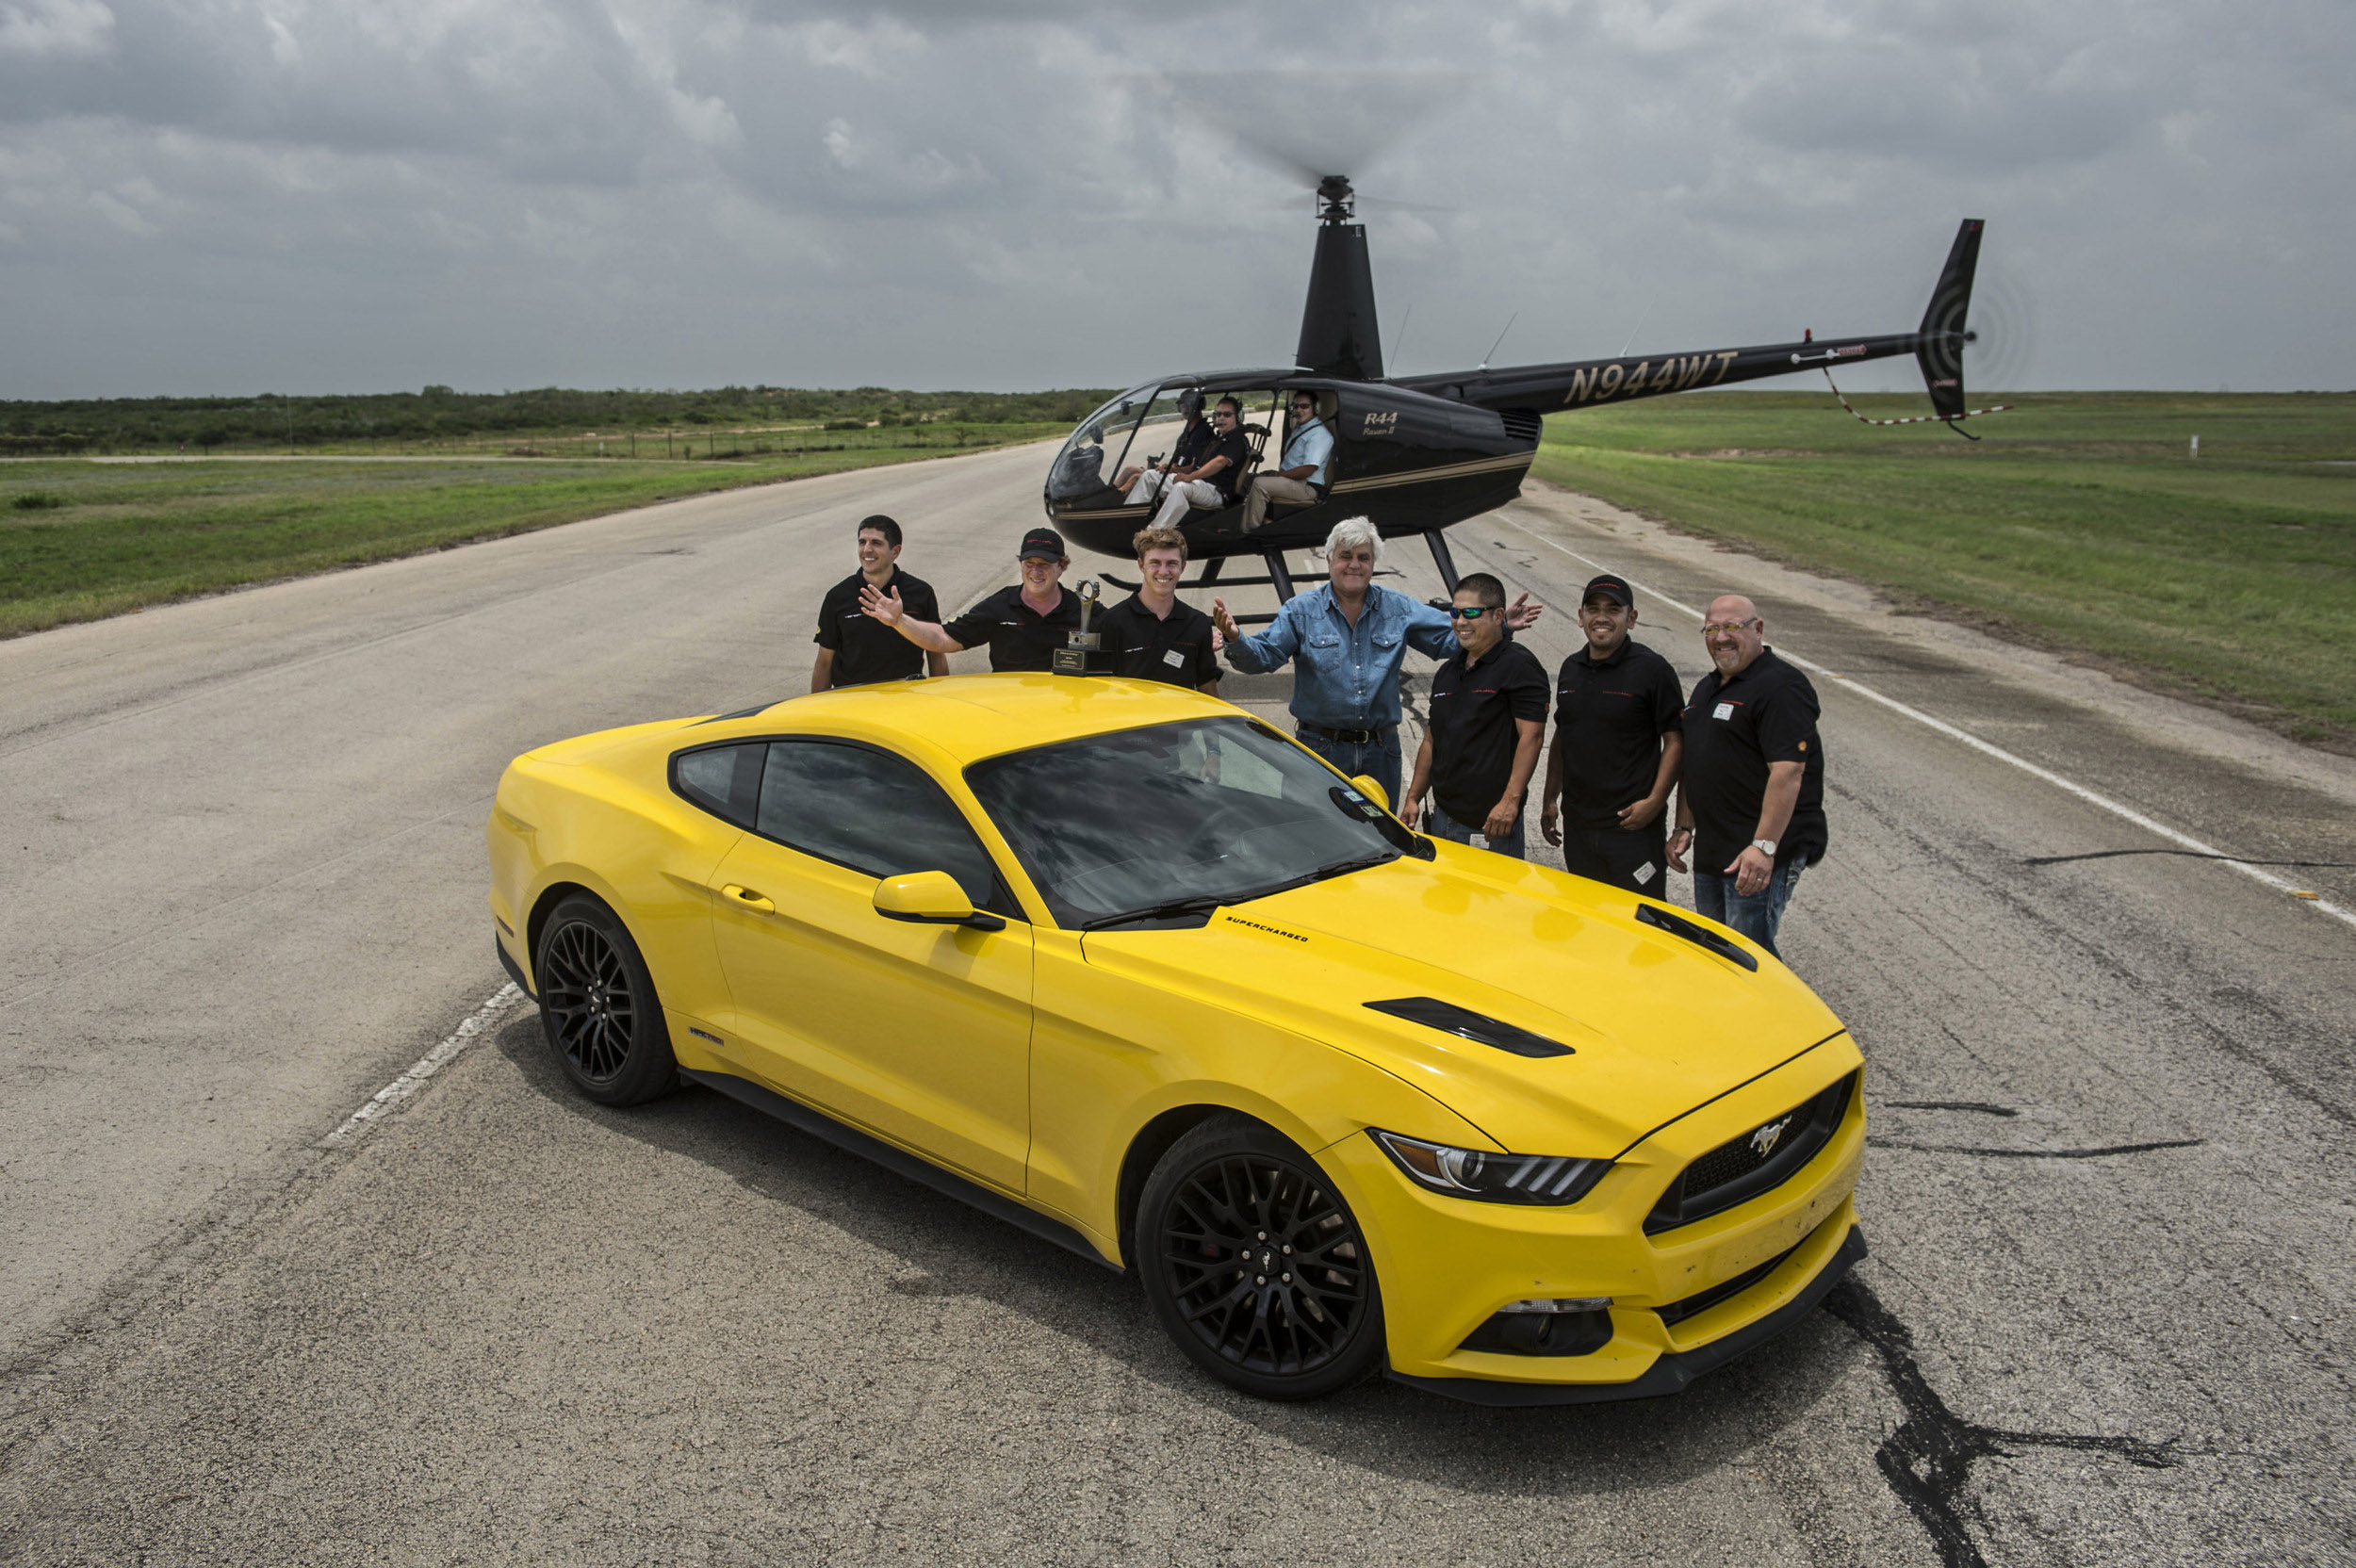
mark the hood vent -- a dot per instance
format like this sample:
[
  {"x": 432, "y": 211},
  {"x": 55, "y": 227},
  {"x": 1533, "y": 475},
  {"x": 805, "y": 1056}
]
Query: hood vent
[
  {"x": 1700, "y": 936},
  {"x": 1451, "y": 1020}
]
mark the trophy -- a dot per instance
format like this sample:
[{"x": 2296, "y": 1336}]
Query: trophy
[{"x": 1084, "y": 651}]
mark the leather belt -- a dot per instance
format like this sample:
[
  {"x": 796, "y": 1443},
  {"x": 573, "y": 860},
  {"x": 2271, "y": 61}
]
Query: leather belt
[{"x": 1346, "y": 737}]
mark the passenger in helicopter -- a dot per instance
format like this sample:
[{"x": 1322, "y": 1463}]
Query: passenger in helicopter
[
  {"x": 1308, "y": 451},
  {"x": 1142, "y": 482},
  {"x": 1210, "y": 483}
]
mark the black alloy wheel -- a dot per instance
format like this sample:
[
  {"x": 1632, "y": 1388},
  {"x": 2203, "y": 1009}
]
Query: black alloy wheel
[
  {"x": 597, "y": 1007},
  {"x": 1255, "y": 1265}
]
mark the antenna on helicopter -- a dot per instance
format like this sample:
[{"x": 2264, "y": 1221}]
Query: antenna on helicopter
[
  {"x": 1501, "y": 342},
  {"x": 1640, "y": 318}
]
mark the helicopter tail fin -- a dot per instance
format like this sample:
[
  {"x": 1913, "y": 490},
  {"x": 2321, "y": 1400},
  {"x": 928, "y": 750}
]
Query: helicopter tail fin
[{"x": 1943, "y": 331}]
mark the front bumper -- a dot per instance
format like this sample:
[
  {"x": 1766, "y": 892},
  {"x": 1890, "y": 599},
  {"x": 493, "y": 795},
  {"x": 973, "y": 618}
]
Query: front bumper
[
  {"x": 1671, "y": 1371},
  {"x": 1683, "y": 1300}
]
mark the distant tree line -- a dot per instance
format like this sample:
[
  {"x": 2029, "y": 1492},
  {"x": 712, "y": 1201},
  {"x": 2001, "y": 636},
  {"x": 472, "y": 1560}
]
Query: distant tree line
[{"x": 437, "y": 413}]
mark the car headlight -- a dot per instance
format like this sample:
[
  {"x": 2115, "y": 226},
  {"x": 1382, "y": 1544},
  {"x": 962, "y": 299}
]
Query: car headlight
[{"x": 1492, "y": 1178}]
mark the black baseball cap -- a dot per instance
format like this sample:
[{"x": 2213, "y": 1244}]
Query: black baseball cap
[
  {"x": 1609, "y": 587},
  {"x": 1041, "y": 544}
]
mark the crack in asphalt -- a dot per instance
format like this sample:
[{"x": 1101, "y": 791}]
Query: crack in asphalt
[
  {"x": 2037, "y": 1153},
  {"x": 2187, "y": 855},
  {"x": 1980, "y": 1106},
  {"x": 1927, "y": 1461}
]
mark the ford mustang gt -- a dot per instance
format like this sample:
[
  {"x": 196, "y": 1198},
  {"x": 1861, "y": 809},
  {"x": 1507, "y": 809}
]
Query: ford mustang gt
[{"x": 1122, "y": 964}]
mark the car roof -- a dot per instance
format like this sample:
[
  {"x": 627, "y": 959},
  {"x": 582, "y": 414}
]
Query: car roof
[{"x": 973, "y": 716}]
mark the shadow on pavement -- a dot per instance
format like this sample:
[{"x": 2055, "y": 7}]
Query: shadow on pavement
[{"x": 947, "y": 1249}]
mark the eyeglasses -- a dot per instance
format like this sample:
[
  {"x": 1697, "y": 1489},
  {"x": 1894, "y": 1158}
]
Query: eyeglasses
[
  {"x": 1715, "y": 628},
  {"x": 1468, "y": 612},
  {"x": 1307, "y": 407},
  {"x": 1223, "y": 414}
]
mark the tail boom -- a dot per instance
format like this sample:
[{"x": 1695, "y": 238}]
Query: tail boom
[{"x": 1937, "y": 345}]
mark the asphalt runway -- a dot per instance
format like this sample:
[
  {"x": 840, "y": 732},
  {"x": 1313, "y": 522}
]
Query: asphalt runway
[{"x": 2106, "y": 1320}]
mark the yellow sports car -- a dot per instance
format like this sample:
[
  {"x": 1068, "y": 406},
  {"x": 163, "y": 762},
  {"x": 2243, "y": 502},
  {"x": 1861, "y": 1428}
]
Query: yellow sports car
[{"x": 1125, "y": 966}]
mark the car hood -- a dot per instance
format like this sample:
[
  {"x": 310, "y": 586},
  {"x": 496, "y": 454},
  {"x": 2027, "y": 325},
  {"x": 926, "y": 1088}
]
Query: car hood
[{"x": 1656, "y": 1025}]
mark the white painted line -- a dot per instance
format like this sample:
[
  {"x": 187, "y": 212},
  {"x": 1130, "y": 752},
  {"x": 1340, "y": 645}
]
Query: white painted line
[
  {"x": 2184, "y": 840},
  {"x": 409, "y": 1083}
]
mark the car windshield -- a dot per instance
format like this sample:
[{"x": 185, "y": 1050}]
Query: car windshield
[{"x": 1220, "y": 811}]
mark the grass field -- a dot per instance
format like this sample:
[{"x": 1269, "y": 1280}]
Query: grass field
[
  {"x": 2080, "y": 521},
  {"x": 80, "y": 540}
]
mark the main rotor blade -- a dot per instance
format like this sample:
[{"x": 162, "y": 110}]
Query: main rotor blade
[{"x": 1309, "y": 123}]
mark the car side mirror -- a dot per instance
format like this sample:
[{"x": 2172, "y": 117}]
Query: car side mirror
[
  {"x": 1372, "y": 791},
  {"x": 931, "y": 898}
]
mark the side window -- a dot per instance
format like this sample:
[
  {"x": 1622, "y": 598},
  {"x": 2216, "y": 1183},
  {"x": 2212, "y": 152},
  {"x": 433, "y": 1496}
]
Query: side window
[
  {"x": 724, "y": 781},
  {"x": 873, "y": 812}
]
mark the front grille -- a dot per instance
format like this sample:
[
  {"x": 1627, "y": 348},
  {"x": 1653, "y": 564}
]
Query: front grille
[
  {"x": 1701, "y": 1301},
  {"x": 1737, "y": 1171}
]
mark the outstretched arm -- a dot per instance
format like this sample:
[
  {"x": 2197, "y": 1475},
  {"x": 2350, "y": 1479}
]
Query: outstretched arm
[
  {"x": 887, "y": 609},
  {"x": 1268, "y": 650}
]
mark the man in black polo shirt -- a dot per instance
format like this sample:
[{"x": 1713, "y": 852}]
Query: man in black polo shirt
[
  {"x": 1752, "y": 805},
  {"x": 1618, "y": 738},
  {"x": 1488, "y": 723},
  {"x": 1024, "y": 625},
  {"x": 1150, "y": 634},
  {"x": 1210, "y": 483},
  {"x": 855, "y": 649}
]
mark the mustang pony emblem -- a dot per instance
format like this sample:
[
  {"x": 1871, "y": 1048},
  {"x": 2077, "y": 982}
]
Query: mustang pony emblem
[{"x": 1765, "y": 1139}]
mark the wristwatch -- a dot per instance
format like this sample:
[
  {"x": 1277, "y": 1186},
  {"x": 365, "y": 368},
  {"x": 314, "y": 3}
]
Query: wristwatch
[{"x": 1765, "y": 846}]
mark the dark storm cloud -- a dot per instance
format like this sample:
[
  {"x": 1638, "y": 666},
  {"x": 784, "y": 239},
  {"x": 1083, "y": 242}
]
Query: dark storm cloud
[{"x": 207, "y": 194}]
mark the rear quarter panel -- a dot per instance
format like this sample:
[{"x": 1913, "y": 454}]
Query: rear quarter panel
[{"x": 621, "y": 834}]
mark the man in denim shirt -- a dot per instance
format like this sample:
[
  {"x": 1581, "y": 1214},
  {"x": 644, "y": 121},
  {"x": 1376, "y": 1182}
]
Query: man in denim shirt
[{"x": 1347, "y": 638}]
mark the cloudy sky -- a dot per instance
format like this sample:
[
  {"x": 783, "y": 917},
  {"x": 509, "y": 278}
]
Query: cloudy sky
[{"x": 240, "y": 195}]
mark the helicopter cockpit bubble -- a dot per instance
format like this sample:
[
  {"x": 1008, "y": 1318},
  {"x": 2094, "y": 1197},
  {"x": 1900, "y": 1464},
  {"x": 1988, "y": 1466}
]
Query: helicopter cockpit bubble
[{"x": 1079, "y": 471}]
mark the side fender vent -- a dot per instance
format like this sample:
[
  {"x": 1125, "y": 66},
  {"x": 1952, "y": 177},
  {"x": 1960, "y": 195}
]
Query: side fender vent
[{"x": 1461, "y": 1022}]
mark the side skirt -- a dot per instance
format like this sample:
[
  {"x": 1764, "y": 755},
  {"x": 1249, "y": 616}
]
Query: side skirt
[
  {"x": 1671, "y": 1373},
  {"x": 803, "y": 1119},
  {"x": 515, "y": 970}
]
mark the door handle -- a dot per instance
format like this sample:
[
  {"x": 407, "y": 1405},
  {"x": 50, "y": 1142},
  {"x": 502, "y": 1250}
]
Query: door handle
[{"x": 744, "y": 898}]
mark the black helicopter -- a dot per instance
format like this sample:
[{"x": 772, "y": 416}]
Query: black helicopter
[{"x": 1421, "y": 452}]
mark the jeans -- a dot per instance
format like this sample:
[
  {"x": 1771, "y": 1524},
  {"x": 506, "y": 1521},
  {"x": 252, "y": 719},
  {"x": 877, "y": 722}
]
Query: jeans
[
  {"x": 1377, "y": 759},
  {"x": 1441, "y": 825},
  {"x": 1755, "y": 915}
]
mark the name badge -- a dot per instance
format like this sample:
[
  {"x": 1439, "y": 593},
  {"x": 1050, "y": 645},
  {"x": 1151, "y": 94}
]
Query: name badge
[
  {"x": 1724, "y": 711},
  {"x": 1174, "y": 659}
]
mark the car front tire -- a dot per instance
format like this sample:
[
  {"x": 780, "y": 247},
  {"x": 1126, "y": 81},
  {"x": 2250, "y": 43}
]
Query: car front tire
[
  {"x": 1255, "y": 1265},
  {"x": 597, "y": 1007}
]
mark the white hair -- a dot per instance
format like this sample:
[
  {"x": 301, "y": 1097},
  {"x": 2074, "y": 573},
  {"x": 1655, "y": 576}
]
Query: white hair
[{"x": 1354, "y": 534}]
